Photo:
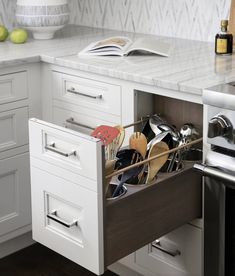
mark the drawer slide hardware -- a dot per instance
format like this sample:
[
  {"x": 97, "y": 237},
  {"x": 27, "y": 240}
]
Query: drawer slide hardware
[
  {"x": 52, "y": 147},
  {"x": 157, "y": 244},
  {"x": 72, "y": 90},
  {"x": 53, "y": 216},
  {"x": 72, "y": 122}
]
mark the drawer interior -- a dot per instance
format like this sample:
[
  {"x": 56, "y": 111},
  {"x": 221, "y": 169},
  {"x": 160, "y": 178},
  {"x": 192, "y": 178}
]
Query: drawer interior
[{"x": 147, "y": 212}]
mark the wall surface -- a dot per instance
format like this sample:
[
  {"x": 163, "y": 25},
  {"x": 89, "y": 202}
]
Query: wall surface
[{"x": 193, "y": 19}]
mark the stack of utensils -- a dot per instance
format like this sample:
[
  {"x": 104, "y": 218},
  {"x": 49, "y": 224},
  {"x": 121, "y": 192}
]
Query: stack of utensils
[{"x": 158, "y": 146}]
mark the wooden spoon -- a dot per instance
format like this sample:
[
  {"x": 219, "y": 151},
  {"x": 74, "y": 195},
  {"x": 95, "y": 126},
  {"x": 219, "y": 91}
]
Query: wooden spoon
[
  {"x": 155, "y": 165},
  {"x": 109, "y": 168},
  {"x": 138, "y": 141}
]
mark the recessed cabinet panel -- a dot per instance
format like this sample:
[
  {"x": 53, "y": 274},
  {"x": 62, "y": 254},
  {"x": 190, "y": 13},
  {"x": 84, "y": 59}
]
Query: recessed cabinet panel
[
  {"x": 14, "y": 193},
  {"x": 88, "y": 93},
  {"x": 67, "y": 149},
  {"x": 68, "y": 219},
  {"x": 13, "y": 87},
  {"x": 14, "y": 128},
  {"x": 177, "y": 253},
  {"x": 79, "y": 121}
]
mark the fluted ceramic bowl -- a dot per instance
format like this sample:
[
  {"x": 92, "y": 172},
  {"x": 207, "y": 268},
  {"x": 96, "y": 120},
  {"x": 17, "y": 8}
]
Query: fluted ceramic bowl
[{"x": 42, "y": 17}]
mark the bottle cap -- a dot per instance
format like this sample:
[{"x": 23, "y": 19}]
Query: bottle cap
[{"x": 224, "y": 23}]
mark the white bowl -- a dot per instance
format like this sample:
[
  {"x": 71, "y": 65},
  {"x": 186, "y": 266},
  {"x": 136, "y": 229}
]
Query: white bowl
[{"x": 42, "y": 18}]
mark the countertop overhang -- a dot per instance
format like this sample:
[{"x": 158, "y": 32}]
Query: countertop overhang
[{"x": 191, "y": 67}]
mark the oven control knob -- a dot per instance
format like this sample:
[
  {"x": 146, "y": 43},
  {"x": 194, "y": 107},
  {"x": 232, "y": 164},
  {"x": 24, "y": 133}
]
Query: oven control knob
[{"x": 219, "y": 126}]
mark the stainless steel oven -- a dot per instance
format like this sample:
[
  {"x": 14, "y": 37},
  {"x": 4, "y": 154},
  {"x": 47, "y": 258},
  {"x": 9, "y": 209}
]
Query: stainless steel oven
[{"x": 219, "y": 181}]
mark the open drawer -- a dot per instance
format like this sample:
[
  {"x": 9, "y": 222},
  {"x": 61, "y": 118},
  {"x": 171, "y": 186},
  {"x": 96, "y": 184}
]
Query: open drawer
[{"x": 71, "y": 215}]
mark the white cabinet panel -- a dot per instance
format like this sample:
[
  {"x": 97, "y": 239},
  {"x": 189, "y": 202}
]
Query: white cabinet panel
[
  {"x": 68, "y": 219},
  {"x": 13, "y": 87},
  {"x": 88, "y": 93},
  {"x": 14, "y": 193},
  {"x": 67, "y": 216},
  {"x": 184, "y": 243},
  {"x": 83, "y": 122},
  {"x": 14, "y": 128},
  {"x": 66, "y": 149}
]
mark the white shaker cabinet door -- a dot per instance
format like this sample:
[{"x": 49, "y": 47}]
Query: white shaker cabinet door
[
  {"x": 14, "y": 193},
  {"x": 67, "y": 200}
]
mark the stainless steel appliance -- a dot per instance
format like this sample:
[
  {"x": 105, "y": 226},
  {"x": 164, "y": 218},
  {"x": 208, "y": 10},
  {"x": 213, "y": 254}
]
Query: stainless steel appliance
[{"x": 219, "y": 181}]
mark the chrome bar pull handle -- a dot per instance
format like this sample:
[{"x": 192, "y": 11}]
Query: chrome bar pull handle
[
  {"x": 52, "y": 147},
  {"x": 215, "y": 172},
  {"x": 53, "y": 216},
  {"x": 74, "y": 91},
  {"x": 72, "y": 122},
  {"x": 157, "y": 244}
]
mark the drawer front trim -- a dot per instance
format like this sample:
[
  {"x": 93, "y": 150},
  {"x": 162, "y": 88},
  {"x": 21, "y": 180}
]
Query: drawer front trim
[
  {"x": 13, "y": 128},
  {"x": 13, "y": 87},
  {"x": 87, "y": 93}
]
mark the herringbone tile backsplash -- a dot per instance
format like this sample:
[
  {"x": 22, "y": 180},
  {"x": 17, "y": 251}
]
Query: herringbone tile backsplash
[{"x": 192, "y": 19}]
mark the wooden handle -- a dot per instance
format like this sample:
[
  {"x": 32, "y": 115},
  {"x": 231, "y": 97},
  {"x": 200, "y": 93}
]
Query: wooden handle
[
  {"x": 153, "y": 157},
  {"x": 142, "y": 120}
]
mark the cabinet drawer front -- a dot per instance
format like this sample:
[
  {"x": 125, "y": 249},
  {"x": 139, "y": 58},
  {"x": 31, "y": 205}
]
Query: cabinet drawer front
[
  {"x": 14, "y": 193},
  {"x": 79, "y": 121},
  {"x": 13, "y": 128},
  {"x": 68, "y": 219},
  {"x": 185, "y": 243},
  {"x": 13, "y": 87},
  {"x": 66, "y": 149},
  {"x": 87, "y": 93}
]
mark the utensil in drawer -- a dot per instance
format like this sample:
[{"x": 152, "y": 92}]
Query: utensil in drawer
[
  {"x": 109, "y": 168},
  {"x": 155, "y": 165},
  {"x": 132, "y": 173},
  {"x": 116, "y": 144},
  {"x": 105, "y": 133},
  {"x": 125, "y": 177},
  {"x": 138, "y": 142}
]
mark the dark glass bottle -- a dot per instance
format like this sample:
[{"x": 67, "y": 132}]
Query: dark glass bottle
[{"x": 224, "y": 40}]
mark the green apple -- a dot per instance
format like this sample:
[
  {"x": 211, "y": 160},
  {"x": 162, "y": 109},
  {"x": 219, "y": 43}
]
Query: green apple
[
  {"x": 3, "y": 33},
  {"x": 18, "y": 36}
]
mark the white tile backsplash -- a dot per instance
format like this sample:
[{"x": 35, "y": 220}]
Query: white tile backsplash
[{"x": 193, "y": 19}]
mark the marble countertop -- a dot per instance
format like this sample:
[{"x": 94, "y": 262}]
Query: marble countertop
[{"x": 191, "y": 67}]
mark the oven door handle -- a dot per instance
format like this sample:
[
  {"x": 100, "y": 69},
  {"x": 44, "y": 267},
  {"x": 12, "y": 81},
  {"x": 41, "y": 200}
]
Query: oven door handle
[{"x": 215, "y": 172}]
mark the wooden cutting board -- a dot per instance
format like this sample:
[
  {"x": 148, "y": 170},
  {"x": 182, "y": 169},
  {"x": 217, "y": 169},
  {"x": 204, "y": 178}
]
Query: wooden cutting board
[{"x": 232, "y": 19}]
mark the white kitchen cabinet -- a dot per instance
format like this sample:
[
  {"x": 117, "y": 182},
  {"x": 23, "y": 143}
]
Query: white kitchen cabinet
[
  {"x": 19, "y": 99},
  {"x": 175, "y": 254},
  {"x": 14, "y": 193},
  {"x": 71, "y": 214},
  {"x": 13, "y": 86},
  {"x": 14, "y": 128}
]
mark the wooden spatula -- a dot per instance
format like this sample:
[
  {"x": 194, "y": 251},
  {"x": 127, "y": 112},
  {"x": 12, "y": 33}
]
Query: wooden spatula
[
  {"x": 155, "y": 165},
  {"x": 138, "y": 141}
]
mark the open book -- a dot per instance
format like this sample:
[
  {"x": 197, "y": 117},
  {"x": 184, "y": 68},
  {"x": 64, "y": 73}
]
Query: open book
[{"x": 123, "y": 46}]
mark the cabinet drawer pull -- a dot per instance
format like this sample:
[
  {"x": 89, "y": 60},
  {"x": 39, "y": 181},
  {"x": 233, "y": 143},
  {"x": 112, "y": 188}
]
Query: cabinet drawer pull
[
  {"x": 53, "y": 148},
  {"x": 53, "y": 216},
  {"x": 72, "y": 122},
  {"x": 157, "y": 244},
  {"x": 72, "y": 90}
]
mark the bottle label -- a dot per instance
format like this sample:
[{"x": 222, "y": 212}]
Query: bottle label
[{"x": 221, "y": 46}]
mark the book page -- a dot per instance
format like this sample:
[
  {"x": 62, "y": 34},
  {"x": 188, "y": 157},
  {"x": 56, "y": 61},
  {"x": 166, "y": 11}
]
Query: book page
[
  {"x": 119, "y": 42},
  {"x": 151, "y": 45}
]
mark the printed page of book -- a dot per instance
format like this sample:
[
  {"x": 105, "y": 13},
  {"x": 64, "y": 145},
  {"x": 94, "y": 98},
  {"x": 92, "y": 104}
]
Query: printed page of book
[{"x": 151, "y": 45}]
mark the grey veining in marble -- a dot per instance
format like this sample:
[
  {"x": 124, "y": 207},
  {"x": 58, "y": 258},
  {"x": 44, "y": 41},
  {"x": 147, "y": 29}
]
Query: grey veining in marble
[
  {"x": 191, "y": 67},
  {"x": 191, "y": 19}
]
